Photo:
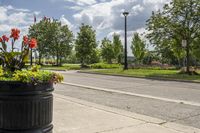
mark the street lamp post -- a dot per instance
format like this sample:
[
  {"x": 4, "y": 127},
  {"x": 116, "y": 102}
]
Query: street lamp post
[{"x": 125, "y": 41}]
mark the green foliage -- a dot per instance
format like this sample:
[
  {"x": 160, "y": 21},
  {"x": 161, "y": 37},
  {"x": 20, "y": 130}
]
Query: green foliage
[
  {"x": 104, "y": 66},
  {"x": 118, "y": 48},
  {"x": 1, "y": 71},
  {"x": 196, "y": 48},
  {"x": 150, "y": 56},
  {"x": 33, "y": 75},
  {"x": 107, "y": 50},
  {"x": 179, "y": 20},
  {"x": 63, "y": 67},
  {"x": 95, "y": 56},
  {"x": 71, "y": 59},
  {"x": 85, "y": 45},
  {"x": 149, "y": 73},
  {"x": 12, "y": 60},
  {"x": 43, "y": 32},
  {"x": 138, "y": 48},
  {"x": 62, "y": 42},
  {"x": 53, "y": 39}
]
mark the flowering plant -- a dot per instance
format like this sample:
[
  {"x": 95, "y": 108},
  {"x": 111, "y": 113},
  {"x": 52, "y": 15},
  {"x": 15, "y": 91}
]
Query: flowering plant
[{"x": 14, "y": 59}]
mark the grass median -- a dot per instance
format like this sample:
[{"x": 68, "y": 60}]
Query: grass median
[
  {"x": 148, "y": 73},
  {"x": 62, "y": 68},
  {"x": 78, "y": 66}
]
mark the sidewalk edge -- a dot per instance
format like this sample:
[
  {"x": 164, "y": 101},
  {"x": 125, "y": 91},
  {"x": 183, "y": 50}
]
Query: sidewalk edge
[{"x": 147, "y": 119}]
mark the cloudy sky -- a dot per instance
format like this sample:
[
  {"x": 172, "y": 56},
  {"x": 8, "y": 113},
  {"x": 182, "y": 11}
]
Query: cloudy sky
[{"x": 104, "y": 15}]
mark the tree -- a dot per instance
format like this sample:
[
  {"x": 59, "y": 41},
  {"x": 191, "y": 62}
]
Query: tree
[
  {"x": 42, "y": 31},
  {"x": 178, "y": 52},
  {"x": 179, "y": 20},
  {"x": 85, "y": 45},
  {"x": 53, "y": 39},
  {"x": 107, "y": 51},
  {"x": 95, "y": 56},
  {"x": 150, "y": 56},
  {"x": 138, "y": 48},
  {"x": 196, "y": 48},
  {"x": 62, "y": 42},
  {"x": 118, "y": 48}
]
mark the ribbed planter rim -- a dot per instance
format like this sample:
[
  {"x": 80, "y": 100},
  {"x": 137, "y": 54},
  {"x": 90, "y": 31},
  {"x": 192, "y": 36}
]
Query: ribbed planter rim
[{"x": 16, "y": 87}]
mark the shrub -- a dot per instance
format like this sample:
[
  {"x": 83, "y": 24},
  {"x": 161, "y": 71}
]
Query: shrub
[{"x": 33, "y": 75}]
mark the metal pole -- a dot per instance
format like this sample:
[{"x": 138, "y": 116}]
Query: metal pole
[
  {"x": 125, "y": 41},
  {"x": 31, "y": 56},
  {"x": 31, "y": 63},
  {"x": 188, "y": 58}
]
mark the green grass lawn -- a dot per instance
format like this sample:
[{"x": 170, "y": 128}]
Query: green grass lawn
[
  {"x": 78, "y": 67},
  {"x": 148, "y": 73},
  {"x": 64, "y": 67}
]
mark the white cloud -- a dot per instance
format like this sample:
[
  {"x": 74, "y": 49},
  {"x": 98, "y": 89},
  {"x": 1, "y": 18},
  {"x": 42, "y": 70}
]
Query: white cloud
[
  {"x": 18, "y": 18},
  {"x": 64, "y": 21},
  {"x": 82, "y": 2},
  {"x": 155, "y": 2},
  {"x": 3, "y": 13},
  {"x": 36, "y": 13},
  {"x": 106, "y": 14},
  {"x": 76, "y": 8},
  {"x": 11, "y": 17},
  {"x": 137, "y": 9},
  {"x": 99, "y": 15},
  {"x": 106, "y": 17},
  {"x": 5, "y": 28},
  {"x": 9, "y": 7}
]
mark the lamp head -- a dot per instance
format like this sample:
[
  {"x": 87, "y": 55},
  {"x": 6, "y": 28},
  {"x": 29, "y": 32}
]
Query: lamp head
[{"x": 125, "y": 13}]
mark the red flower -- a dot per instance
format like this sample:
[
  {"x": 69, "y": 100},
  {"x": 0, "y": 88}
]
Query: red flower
[
  {"x": 33, "y": 43},
  {"x": 15, "y": 33},
  {"x": 1, "y": 39},
  {"x": 25, "y": 40},
  {"x": 5, "y": 38}
]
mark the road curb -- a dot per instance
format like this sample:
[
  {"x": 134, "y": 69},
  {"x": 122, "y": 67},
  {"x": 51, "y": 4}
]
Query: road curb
[
  {"x": 144, "y": 118},
  {"x": 152, "y": 78}
]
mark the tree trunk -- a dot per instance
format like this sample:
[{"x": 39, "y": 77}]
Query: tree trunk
[
  {"x": 109, "y": 61},
  {"x": 57, "y": 59},
  {"x": 82, "y": 63},
  {"x": 119, "y": 59},
  {"x": 60, "y": 64},
  {"x": 179, "y": 62}
]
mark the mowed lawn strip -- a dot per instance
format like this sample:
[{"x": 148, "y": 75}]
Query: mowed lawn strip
[
  {"x": 148, "y": 73},
  {"x": 62, "y": 68}
]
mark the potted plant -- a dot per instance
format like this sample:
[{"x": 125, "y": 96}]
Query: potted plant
[{"x": 26, "y": 100}]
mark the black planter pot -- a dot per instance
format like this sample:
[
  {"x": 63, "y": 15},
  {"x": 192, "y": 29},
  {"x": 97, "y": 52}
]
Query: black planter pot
[{"x": 26, "y": 108}]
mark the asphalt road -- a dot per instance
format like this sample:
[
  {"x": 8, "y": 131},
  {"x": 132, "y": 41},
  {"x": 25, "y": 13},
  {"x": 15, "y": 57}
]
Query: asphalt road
[{"x": 169, "y": 110}]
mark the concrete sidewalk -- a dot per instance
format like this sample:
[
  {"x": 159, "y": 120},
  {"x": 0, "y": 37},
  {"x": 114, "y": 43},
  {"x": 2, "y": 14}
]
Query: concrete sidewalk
[{"x": 77, "y": 116}]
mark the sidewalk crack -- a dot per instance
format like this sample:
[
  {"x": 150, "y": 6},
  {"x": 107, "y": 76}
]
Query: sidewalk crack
[
  {"x": 119, "y": 128},
  {"x": 183, "y": 118}
]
